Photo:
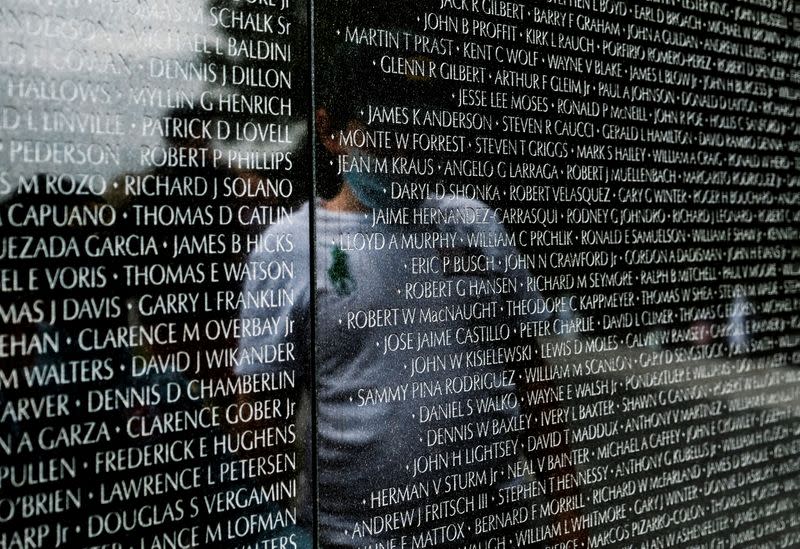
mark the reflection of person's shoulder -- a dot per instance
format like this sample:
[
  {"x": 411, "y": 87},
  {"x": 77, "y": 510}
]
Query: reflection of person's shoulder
[{"x": 288, "y": 237}]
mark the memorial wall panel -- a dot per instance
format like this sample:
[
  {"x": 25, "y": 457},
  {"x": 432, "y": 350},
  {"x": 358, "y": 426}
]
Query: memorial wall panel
[
  {"x": 472, "y": 274},
  {"x": 557, "y": 280},
  {"x": 145, "y": 147}
]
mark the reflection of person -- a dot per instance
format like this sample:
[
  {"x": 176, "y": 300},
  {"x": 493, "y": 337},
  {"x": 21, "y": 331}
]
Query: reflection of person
[
  {"x": 375, "y": 430},
  {"x": 379, "y": 430},
  {"x": 365, "y": 445}
]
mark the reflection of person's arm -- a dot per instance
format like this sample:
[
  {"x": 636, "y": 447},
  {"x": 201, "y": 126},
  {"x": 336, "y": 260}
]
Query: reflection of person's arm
[
  {"x": 291, "y": 335},
  {"x": 298, "y": 365},
  {"x": 288, "y": 303}
]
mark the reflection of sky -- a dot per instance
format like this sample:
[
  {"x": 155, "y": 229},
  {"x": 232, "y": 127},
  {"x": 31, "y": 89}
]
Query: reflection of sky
[{"x": 109, "y": 48}]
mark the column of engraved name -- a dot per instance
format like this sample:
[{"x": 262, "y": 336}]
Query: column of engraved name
[
  {"x": 145, "y": 148},
  {"x": 639, "y": 319}
]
